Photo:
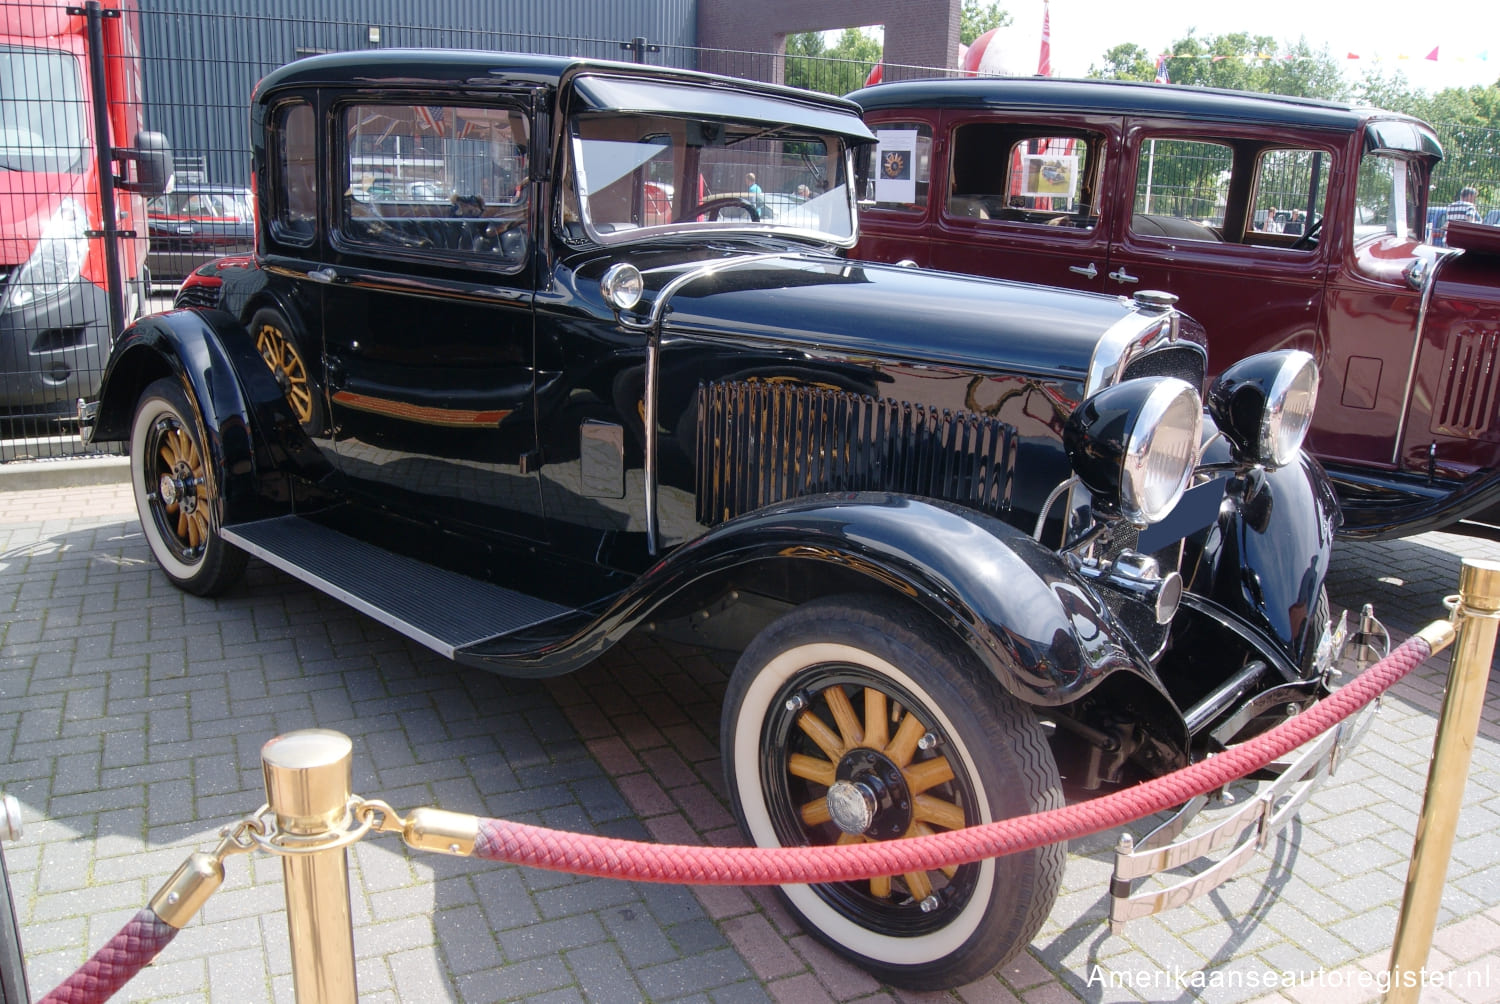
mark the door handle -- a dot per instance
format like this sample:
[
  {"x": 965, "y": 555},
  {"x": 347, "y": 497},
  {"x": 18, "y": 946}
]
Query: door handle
[
  {"x": 324, "y": 275},
  {"x": 1088, "y": 272},
  {"x": 1120, "y": 275}
]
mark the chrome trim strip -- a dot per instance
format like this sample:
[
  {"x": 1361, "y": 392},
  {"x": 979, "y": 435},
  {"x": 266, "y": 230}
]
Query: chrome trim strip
[
  {"x": 323, "y": 585},
  {"x": 1443, "y": 254}
]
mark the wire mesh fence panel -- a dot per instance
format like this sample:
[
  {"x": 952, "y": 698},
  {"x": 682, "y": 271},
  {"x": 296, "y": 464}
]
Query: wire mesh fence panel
[{"x": 187, "y": 70}]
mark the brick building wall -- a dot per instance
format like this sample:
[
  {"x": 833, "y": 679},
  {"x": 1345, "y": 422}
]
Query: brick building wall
[{"x": 917, "y": 35}]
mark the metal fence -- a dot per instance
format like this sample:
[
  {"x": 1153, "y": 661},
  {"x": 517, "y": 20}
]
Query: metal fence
[{"x": 188, "y": 74}]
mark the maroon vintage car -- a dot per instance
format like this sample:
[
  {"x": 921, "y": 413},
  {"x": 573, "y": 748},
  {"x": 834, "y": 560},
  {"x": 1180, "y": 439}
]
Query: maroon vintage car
[{"x": 1279, "y": 222}]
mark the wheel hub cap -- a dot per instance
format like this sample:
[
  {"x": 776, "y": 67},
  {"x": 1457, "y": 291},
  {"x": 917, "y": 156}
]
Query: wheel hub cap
[
  {"x": 870, "y": 796},
  {"x": 168, "y": 490},
  {"x": 852, "y": 806}
]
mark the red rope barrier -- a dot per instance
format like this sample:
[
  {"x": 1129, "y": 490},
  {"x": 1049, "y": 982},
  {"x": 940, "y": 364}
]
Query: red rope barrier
[
  {"x": 112, "y": 966},
  {"x": 584, "y": 854}
]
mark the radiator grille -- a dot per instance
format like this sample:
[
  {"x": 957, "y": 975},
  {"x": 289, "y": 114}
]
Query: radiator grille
[
  {"x": 1184, "y": 360},
  {"x": 762, "y": 443},
  {"x": 1467, "y": 388}
]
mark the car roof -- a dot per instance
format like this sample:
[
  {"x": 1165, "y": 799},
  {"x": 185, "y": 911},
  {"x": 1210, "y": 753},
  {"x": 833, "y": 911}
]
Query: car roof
[
  {"x": 1120, "y": 97},
  {"x": 445, "y": 69}
]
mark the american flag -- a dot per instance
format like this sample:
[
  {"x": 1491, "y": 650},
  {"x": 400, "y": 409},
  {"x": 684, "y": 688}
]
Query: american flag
[
  {"x": 431, "y": 117},
  {"x": 1162, "y": 76}
]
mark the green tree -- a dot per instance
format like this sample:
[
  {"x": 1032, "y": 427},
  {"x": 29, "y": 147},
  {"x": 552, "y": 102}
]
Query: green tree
[
  {"x": 1236, "y": 60},
  {"x": 838, "y": 69},
  {"x": 979, "y": 16}
]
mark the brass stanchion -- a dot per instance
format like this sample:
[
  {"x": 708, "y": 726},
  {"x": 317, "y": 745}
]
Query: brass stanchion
[
  {"x": 308, "y": 779},
  {"x": 1477, "y": 612}
]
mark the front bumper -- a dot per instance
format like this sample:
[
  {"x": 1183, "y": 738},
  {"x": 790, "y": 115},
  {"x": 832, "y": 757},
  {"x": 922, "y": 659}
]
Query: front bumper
[
  {"x": 1251, "y": 827},
  {"x": 52, "y": 352}
]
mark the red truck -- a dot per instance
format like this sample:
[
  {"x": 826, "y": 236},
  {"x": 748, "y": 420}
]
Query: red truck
[{"x": 58, "y": 244}]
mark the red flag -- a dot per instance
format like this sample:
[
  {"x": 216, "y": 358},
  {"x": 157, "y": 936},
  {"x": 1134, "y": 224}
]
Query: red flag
[
  {"x": 1433, "y": 54},
  {"x": 1044, "y": 61}
]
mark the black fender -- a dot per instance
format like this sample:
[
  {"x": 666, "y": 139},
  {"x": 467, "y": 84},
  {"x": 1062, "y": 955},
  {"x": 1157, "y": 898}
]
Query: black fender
[
  {"x": 1267, "y": 558},
  {"x": 1043, "y": 633},
  {"x": 246, "y": 424}
]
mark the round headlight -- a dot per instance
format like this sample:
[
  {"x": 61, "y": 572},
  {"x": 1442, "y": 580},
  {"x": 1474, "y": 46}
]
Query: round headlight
[
  {"x": 1264, "y": 405},
  {"x": 1134, "y": 445},
  {"x": 622, "y": 286}
]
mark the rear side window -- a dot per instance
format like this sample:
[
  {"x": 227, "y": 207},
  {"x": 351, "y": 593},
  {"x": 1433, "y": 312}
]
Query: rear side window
[
  {"x": 1290, "y": 188},
  {"x": 1002, "y": 172},
  {"x": 1182, "y": 189},
  {"x": 895, "y": 173},
  {"x": 294, "y": 161}
]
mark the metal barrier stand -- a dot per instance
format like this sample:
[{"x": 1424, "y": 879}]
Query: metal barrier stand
[{"x": 1476, "y": 611}]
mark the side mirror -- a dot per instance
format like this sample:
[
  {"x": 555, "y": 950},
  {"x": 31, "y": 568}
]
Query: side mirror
[{"x": 153, "y": 164}]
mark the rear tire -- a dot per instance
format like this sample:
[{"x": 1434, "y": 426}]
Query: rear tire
[
  {"x": 176, "y": 493},
  {"x": 856, "y": 698}
]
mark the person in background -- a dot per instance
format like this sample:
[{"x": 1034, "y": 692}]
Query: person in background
[
  {"x": 757, "y": 197},
  {"x": 1463, "y": 207}
]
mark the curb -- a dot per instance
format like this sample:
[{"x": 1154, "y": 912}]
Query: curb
[{"x": 35, "y": 475}]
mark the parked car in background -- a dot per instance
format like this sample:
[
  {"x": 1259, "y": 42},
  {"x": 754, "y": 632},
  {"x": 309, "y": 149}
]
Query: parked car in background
[
  {"x": 196, "y": 223},
  {"x": 970, "y": 538},
  {"x": 1114, "y": 187}
]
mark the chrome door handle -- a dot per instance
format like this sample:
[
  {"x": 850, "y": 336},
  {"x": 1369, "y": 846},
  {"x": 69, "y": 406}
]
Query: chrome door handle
[
  {"x": 1088, "y": 272},
  {"x": 322, "y": 275},
  {"x": 1120, "y": 275}
]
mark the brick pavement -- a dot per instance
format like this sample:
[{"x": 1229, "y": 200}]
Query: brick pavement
[{"x": 132, "y": 718}]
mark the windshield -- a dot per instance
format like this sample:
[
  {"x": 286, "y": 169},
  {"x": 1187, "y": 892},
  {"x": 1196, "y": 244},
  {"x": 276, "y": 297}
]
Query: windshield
[
  {"x": 1388, "y": 198},
  {"x": 42, "y": 116},
  {"x": 191, "y": 205},
  {"x": 665, "y": 173}
]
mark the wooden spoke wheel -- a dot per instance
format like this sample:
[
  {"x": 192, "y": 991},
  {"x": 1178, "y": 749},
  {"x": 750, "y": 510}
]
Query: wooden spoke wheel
[
  {"x": 278, "y": 348},
  {"x": 174, "y": 491},
  {"x": 844, "y": 724}
]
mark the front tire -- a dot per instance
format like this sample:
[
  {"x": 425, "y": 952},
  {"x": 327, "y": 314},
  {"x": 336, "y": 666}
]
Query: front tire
[
  {"x": 175, "y": 493},
  {"x": 849, "y": 721}
]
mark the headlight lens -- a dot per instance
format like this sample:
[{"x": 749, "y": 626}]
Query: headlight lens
[
  {"x": 1135, "y": 445},
  {"x": 58, "y": 258},
  {"x": 1264, "y": 405}
]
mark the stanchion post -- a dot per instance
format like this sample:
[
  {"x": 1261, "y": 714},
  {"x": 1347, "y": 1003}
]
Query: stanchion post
[
  {"x": 1478, "y": 608},
  {"x": 308, "y": 779}
]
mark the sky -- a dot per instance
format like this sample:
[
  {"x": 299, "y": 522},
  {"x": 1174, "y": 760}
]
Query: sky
[{"x": 1381, "y": 32}]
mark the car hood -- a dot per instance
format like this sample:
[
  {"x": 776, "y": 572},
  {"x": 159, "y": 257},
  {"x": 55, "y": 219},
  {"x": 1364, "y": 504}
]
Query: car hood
[
  {"x": 27, "y": 202},
  {"x": 866, "y": 309}
]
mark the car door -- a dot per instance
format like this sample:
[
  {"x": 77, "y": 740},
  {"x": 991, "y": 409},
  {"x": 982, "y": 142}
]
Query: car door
[
  {"x": 1024, "y": 197},
  {"x": 1201, "y": 195},
  {"x": 427, "y": 308}
]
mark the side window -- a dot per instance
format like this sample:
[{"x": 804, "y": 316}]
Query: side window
[
  {"x": 1001, "y": 172},
  {"x": 896, "y": 171},
  {"x": 442, "y": 180},
  {"x": 294, "y": 163},
  {"x": 1181, "y": 189},
  {"x": 1290, "y": 189}
]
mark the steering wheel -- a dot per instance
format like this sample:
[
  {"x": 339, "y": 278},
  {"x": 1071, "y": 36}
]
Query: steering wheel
[
  {"x": 1306, "y": 240},
  {"x": 712, "y": 207}
]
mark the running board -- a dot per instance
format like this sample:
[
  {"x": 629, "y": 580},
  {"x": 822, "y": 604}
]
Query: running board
[{"x": 443, "y": 610}]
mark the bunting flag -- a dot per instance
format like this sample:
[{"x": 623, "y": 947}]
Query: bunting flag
[
  {"x": 1266, "y": 57},
  {"x": 431, "y": 118},
  {"x": 1162, "y": 76},
  {"x": 1044, "y": 60},
  {"x": 1433, "y": 54}
]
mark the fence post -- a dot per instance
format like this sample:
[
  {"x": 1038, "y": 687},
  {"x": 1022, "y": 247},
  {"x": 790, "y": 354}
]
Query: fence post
[
  {"x": 104, "y": 151},
  {"x": 308, "y": 778},
  {"x": 1478, "y": 608}
]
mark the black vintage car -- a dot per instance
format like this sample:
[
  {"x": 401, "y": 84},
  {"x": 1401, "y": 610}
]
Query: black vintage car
[{"x": 981, "y": 544}]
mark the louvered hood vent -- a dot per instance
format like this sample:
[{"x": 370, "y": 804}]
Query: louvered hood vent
[{"x": 762, "y": 443}]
